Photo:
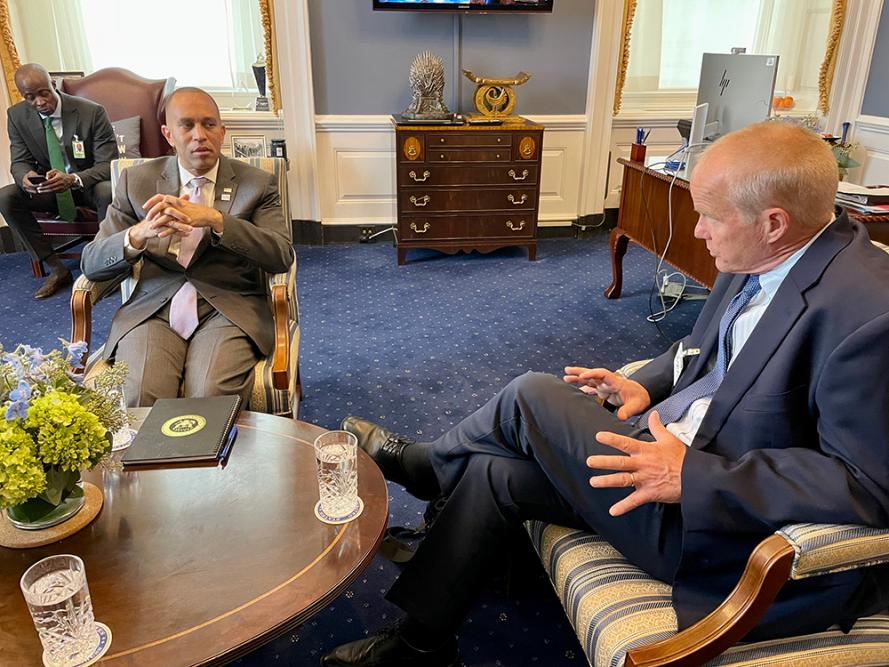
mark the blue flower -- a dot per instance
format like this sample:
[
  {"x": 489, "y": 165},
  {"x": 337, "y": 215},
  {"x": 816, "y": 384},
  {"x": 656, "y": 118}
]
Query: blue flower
[
  {"x": 21, "y": 393},
  {"x": 17, "y": 410},
  {"x": 76, "y": 352},
  {"x": 15, "y": 362}
]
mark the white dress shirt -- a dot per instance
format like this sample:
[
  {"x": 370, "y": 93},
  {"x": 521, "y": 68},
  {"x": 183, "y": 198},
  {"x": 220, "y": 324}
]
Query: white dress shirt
[{"x": 686, "y": 428}]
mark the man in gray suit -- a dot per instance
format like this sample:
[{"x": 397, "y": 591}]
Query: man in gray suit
[
  {"x": 203, "y": 229},
  {"x": 62, "y": 147}
]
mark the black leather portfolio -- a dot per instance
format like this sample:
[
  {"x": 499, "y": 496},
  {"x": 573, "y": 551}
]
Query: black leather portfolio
[{"x": 185, "y": 430}]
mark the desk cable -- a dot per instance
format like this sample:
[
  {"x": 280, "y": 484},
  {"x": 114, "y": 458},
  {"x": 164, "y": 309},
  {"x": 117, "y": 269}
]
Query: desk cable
[{"x": 661, "y": 277}]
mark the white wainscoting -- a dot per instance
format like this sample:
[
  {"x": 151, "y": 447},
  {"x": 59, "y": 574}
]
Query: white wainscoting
[
  {"x": 872, "y": 132},
  {"x": 356, "y": 169},
  {"x": 663, "y": 140}
]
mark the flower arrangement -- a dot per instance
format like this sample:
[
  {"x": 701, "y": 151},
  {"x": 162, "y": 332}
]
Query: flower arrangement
[
  {"x": 842, "y": 152},
  {"x": 54, "y": 426}
]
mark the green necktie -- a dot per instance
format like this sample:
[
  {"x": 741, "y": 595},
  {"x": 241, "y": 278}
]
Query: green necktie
[{"x": 65, "y": 200}]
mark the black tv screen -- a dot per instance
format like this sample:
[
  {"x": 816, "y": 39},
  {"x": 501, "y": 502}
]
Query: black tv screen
[{"x": 466, "y": 5}]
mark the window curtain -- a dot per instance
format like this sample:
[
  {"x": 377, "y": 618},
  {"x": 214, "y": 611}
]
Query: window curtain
[
  {"x": 247, "y": 41},
  {"x": 9, "y": 94},
  {"x": 624, "y": 62},
  {"x": 273, "y": 85},
  {"x": 825, "y": 73},
  {"x": 825, "y": 77}
]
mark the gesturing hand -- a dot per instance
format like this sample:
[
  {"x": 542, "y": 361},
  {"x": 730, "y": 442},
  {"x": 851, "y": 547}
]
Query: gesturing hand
[
  {"x": 654, "y": 468},
  {"x": 631, "y": 396}
]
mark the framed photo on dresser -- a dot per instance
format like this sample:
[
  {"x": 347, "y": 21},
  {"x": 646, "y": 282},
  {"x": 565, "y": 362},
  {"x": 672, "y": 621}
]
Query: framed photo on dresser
[{"x": 248, "y": 146}]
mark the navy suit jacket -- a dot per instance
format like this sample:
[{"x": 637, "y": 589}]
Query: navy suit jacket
[{"x": 797, "y": 432}]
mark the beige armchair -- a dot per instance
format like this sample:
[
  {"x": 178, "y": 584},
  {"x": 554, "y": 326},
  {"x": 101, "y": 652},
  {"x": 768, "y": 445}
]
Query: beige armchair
[{"x": 276, "y": 385}]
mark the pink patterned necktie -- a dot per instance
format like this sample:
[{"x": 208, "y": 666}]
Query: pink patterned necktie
[{"x": 184, "y": 306}]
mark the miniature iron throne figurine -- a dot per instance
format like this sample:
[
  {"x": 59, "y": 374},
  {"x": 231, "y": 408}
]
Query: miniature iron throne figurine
[{"x": 427, "y": 86}]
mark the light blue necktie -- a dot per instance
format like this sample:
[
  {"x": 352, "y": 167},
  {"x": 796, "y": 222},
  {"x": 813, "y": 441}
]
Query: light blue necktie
[{"x": 673, "y": 407}]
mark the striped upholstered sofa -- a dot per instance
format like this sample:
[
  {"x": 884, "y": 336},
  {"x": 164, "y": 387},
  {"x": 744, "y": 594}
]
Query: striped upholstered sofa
[
  {"x": 276, "y": 386},
  {"x": 622, "y": 616}
]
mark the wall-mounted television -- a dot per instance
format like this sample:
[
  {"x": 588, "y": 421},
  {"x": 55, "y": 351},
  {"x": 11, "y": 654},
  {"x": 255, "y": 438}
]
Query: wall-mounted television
[{"x": 480, "y": 6}]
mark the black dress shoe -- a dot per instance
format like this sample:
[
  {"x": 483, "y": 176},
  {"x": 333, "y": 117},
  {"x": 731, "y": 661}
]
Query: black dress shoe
[
  {"x": 388, "y": 649},
  {"x": 385, "y": 447},
  {"x": 55, "y": 281}
]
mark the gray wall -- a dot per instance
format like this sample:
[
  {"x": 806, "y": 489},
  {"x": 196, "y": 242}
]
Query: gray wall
[
  {"x": 876, "y": 95},
  {"x": 361, "y": 58}
]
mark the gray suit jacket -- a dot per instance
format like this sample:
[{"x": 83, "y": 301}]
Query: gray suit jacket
[
  {"x": 86, "y": 119},
  {"x": 226, "y": 271}
]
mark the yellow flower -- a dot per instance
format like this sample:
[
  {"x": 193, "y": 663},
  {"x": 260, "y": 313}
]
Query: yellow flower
[
  {"x": 21, "y": 474},
  {"x": 65, "y": 432}
]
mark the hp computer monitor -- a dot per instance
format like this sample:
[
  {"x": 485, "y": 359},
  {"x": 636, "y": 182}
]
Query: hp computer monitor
[{"x": 738, "y": 90}]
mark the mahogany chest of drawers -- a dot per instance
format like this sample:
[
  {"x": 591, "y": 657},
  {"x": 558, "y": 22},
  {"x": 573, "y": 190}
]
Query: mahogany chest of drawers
[{"x": 468, "y": 187}]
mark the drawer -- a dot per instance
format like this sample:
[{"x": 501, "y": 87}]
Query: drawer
[
  {"x": 426, "y": 200},
  {"x": 432, "y": 175},
  {"x": 449, "y": 227},
  {"x": 436, "y": 154},
  {"x": 468, "y": 139}
]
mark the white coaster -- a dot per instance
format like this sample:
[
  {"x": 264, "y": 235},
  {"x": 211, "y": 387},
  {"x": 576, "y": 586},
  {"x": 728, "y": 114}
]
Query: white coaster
[
  {"x": 336, "y": 520},
  {"x": 102, "y": 647}
]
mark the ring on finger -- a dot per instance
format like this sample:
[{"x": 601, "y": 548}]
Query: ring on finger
[{"x": 632, "y": 480}]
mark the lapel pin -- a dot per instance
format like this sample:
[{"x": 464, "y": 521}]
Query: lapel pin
[
  {"x": 226, "y": 197},
  {"x": 226, "y": 189}
]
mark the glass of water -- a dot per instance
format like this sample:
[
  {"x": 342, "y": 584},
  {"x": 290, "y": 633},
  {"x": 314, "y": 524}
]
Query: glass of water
[
  {"x": 59, "y": 601},
  {"x": 122, "y": 437},
  {"x": 336, "y": 458}
]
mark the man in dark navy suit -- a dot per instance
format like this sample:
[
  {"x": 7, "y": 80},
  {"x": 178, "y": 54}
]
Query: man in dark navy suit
[{"x": 774, "y": 410}]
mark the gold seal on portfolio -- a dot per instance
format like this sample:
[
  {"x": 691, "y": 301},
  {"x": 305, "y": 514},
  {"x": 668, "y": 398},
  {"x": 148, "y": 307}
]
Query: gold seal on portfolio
[{"x": 183, "y": 425}]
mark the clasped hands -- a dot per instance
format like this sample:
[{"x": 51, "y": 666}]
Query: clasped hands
[
  {"x": 169, "y": 215},
  {"x": 653, "y": 468}
]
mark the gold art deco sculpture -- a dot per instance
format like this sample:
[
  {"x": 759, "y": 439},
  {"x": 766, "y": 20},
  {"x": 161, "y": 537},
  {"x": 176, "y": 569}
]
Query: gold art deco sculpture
[
  {"x": 427, "y": 86},
  {"x": 495, "y": 98}
]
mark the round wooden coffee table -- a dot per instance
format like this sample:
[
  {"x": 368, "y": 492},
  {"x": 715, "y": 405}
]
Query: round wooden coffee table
[{"x": 200, "y": 565}]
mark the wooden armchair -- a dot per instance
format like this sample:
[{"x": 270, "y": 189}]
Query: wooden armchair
[
  {"x": 276, "y": 384},
  {"x": 124, "y": 95},
  {"x": 622, "y": 616}
]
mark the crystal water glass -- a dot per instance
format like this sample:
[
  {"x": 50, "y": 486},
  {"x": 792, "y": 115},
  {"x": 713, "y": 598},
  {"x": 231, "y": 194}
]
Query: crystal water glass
[
  {"x": 122, "y": 437},
  {"x": 58, "y": 598},
  {"x": 121, "y": 146},
  {"x": 336, "y": 459}
]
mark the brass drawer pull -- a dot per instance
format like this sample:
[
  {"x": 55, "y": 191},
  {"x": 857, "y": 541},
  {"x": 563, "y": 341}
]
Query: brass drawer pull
[
  {"x": 512, "y": 200},
  {"x": 513, "y": 227},
  {"x": 514, "y": 177},
  {"x": 426, "y": 175},
  {"x": 425, "y": 227},
  {"x": 422, "y": 201}
]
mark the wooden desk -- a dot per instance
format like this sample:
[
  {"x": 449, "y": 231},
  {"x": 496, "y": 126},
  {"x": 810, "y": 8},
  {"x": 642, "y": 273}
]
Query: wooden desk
[
  {"x": 193, "y": 566},
  {"x": 644, "y": 219}
]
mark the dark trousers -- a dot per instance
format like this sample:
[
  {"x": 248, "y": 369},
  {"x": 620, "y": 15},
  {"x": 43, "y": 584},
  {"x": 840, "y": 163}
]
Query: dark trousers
[
  {"x": 17, "y": 206},
  {"x": 523, "y": 456}
]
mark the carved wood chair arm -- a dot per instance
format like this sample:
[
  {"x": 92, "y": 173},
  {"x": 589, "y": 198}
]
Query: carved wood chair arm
[
  {"x": 281, "y": 354},
  {"x": 767, "y": 569}
]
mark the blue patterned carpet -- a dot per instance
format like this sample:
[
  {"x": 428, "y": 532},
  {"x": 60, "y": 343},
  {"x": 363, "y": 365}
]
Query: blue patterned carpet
[{"x": 417, "y": 347}]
